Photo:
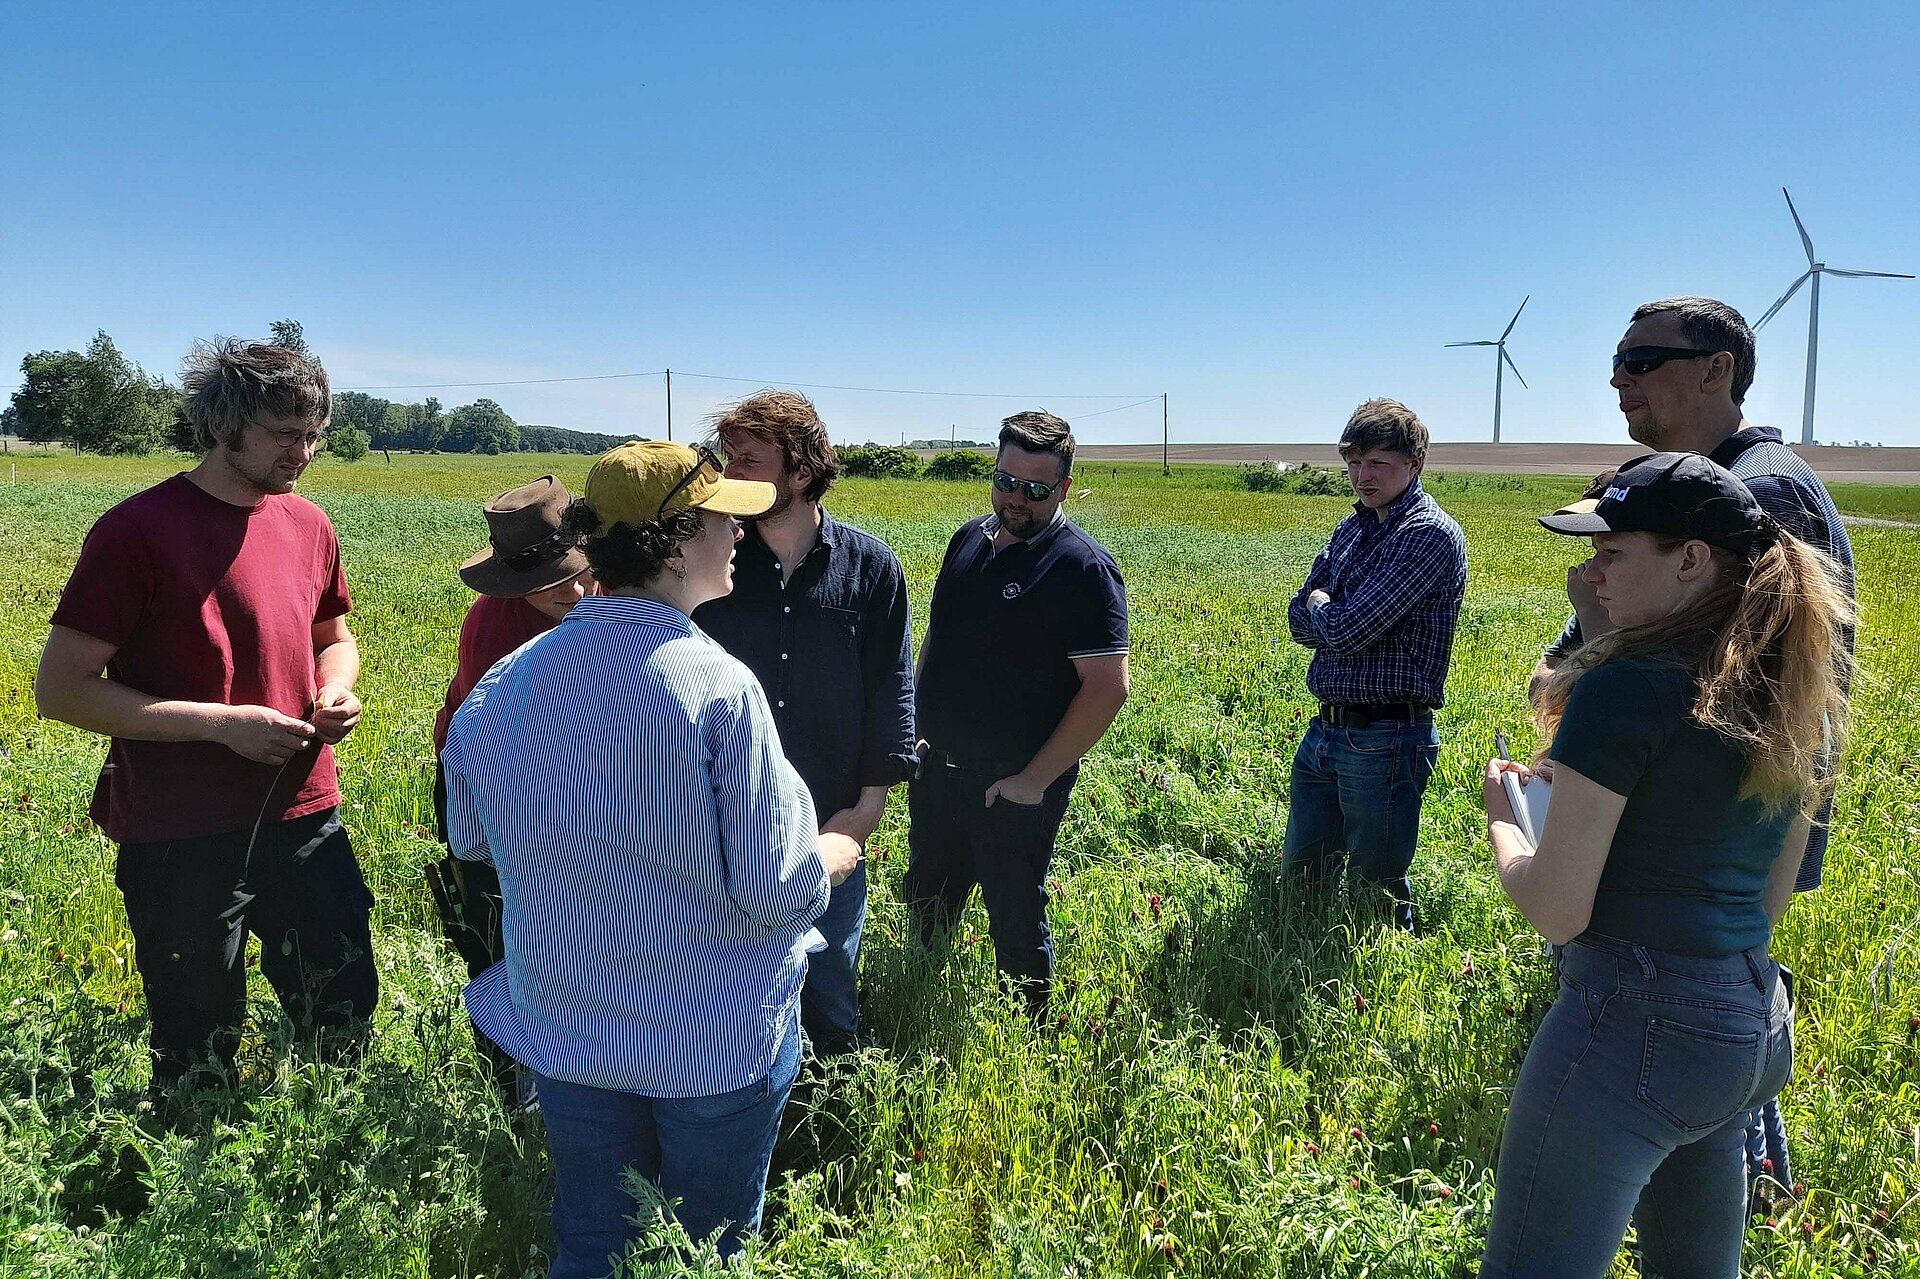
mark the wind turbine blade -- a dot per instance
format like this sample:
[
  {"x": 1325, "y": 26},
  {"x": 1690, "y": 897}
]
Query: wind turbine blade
[
  {"x": 1512, "y": 365},
  {"x": 1798, "y": 226},
  {"x": 1473, "y": 344},
  {"x": 1862, "y": 275},
  {"x": 1783, "y": 300},
  {"x": 1516, "y": 319}
]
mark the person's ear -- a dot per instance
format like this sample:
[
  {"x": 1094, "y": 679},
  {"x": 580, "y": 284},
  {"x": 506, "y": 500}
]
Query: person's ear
[
  {"x": 1719, "y": 372},
  {"x": 1696, "y": 561}
]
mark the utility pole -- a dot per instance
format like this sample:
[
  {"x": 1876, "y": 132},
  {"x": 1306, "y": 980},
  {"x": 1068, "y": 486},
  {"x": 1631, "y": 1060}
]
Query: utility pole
[
  {"x": 669, "y": 404},
  {"x": 1166, "y": 468}
]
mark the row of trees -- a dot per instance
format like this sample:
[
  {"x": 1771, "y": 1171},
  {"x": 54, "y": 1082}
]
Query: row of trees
[{"x": 99, "y": 401}]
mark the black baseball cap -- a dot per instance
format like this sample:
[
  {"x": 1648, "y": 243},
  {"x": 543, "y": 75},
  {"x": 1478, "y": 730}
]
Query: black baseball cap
[{"x": 1674, "y": 494}]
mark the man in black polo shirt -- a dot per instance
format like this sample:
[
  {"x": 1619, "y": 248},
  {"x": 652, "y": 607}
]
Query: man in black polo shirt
[
  {"x": 1378, "y": 610},
  {"x": 819, "y": 614},
  {"x": 1023, "y": 667}
]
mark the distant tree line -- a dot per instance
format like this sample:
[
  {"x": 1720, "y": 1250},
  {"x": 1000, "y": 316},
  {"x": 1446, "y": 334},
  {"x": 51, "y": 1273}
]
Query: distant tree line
[{"x": 99, "y": 401}]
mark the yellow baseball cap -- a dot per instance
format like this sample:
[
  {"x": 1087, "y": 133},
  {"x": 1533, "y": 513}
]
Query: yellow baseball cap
[{"x": 642, "y": 480}]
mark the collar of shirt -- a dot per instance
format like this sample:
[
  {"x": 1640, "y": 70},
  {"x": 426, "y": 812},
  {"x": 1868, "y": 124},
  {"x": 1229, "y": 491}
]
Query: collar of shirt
[
  {"x": 630, "y": 609},
  {"x": 991, "y": 525},
  {"x": 1398, "y": 507},
  {"x": 754, "y": 545}
]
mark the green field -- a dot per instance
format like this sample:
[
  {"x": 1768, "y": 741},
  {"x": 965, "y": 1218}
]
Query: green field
[{"x": 1240, "y": 1083}]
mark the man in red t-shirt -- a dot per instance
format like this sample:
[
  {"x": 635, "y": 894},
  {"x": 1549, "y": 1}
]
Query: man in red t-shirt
[{"x": 215, "y": 604}]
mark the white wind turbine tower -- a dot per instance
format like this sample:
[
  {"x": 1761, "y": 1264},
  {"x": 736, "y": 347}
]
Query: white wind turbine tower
[
  {"x": 1815, "y": 269},
  {"x": 1501, "y": 357}
]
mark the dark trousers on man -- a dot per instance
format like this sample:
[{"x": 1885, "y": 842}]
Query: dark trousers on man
[
  {"x": 956, "y": 841},
  {"x": 191, "y": 904}
]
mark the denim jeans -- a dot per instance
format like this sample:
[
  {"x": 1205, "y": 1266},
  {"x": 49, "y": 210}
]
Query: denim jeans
[
  {"x": 830, "y": 1001},
  {"x": 1632, "y": 1104},
  {"x": 710, "y": 1153},
  {"x": 957, "y": 841},
  {"x": 1355, "y": 798}
]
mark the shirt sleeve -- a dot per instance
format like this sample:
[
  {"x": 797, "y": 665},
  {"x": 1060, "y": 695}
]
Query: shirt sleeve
[
  {"x": 1566, "y": 642},
  {"x": 1792, "y": 507},
  {"x": 334, "y": 601},
  {"x": 1299, "y": 625},
  {"x": 1098, "y": 627},
  {"x": 1414, "y": 563},
  {"x": 465, "y": 836},
  {"x": 886, "y": 669},
  {"x": 111, "y": 587},
  {"x": 767, "y": 824},
  {"x": 1617, "y": 719}
]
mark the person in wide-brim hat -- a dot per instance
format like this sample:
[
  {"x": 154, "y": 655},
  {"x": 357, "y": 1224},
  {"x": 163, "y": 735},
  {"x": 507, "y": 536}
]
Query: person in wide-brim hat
[{"x": 527, "y": 549}]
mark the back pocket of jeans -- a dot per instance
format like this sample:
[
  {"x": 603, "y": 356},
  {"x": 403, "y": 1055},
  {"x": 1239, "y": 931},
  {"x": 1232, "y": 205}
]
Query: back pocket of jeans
[{"x": 1697, "y": 1079}]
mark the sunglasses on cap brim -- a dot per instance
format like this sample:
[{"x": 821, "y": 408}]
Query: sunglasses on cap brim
[{"x": 705, "y": 457}]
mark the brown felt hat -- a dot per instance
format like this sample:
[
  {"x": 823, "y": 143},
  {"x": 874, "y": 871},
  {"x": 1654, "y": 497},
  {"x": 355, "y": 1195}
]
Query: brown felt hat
[{"x": 526, "y": 550}]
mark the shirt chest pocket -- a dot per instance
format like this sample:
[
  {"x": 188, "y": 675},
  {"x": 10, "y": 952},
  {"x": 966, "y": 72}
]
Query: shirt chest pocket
[{"x": 829, "y": 641}]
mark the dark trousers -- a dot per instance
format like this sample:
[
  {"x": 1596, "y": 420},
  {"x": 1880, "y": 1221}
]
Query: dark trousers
[
  {"x": 191, "y": 903},
  {"x": 956, "y": 841}
]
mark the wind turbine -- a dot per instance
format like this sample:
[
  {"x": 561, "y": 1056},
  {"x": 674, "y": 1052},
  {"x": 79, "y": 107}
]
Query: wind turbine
[
  {"x": 1501, "y": 358},
  {"x": 1814, "y": 271}
]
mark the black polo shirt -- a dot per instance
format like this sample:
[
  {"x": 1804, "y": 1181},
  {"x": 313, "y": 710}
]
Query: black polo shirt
[
  {"x": 830, "y": 646},
  {"x": 1003, "y": 628}
]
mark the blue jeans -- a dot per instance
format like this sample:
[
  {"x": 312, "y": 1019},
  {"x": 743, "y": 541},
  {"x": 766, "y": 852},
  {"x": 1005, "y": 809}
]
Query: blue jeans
[
  {"x": 710, "y": 1153},
  {"x": 830, "y": 1001},
  {"x": 1355, "y": 797},
  {"x": 1632, "y": 1104}
]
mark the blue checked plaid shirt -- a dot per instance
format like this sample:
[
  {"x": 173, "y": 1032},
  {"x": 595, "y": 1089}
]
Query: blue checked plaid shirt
[{"x": 1395, "y": 588}]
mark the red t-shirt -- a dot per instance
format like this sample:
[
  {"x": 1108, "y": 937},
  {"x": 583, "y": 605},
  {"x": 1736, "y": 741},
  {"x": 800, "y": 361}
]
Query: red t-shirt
[
  {"x": 494, "y": 628},
  {"x": 205, "y": 601}
]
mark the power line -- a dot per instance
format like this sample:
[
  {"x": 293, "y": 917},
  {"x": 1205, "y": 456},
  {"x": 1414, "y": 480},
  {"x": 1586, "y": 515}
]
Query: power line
[
  {"x": 894, "y": 390},
  {"x": 530, "y": 381},
  {"x": 761, "y": 381}
]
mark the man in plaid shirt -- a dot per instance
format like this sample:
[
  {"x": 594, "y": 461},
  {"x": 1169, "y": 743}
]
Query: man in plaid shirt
[{"x": 1378, "y": 608}]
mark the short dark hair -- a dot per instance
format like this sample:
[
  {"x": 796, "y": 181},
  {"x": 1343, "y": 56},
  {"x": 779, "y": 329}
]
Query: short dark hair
[
  {"x": 1038, "y": 431},
  {"x": 628, "y": 555},
  {"x": 1384, "y": 424},
  {"x": 788, "y": 421},
  {"x": 1708, "y": 325},
  {"x": 230, "y": 382}
]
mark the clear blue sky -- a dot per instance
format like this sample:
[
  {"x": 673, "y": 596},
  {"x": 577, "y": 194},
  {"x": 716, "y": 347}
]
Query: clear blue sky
[{"x": 1268, "y": 212}]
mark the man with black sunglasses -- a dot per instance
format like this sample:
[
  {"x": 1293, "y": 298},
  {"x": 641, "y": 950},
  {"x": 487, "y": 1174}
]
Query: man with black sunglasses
[
  {"x": 1023, "y": 668},
  {"x": 1682, "y": 371}
]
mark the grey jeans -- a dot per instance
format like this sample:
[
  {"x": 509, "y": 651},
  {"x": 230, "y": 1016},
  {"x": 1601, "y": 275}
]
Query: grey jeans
[{"x": 1632, "y": 1104}]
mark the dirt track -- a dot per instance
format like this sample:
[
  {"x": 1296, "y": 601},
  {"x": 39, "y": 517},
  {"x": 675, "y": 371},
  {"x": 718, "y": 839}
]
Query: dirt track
[{"x": 1833, "y": 463}]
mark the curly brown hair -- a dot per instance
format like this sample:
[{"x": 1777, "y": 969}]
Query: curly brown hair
[
  {"x": 630, "y": 555},
  {"x": 788, "y": 421},
  {"x": 1384, "y": 424}
]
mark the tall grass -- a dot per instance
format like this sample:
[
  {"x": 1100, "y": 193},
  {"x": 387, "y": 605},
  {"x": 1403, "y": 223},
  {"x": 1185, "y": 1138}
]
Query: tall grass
[{"x": 1236, "y": 1081}]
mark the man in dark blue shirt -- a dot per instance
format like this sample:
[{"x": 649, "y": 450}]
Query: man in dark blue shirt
[
  {"x": 819, "y": 614},
  {"x": 1378, "y": 608},
  {"x": 1023, "y": 668}
]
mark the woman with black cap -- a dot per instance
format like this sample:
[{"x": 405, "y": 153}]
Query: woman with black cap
[{"x": 1683, "y": 748}]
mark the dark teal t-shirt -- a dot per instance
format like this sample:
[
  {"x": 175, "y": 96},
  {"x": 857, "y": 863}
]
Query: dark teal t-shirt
[{"x": 1689, "y": 860}]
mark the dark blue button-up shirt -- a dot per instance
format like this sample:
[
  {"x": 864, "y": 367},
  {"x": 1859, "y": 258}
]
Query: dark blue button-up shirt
[
  {"x": 1396, "y": 586},
  {"x": 831, "y": 647}
]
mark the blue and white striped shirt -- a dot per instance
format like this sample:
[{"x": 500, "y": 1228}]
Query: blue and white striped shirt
[{"x": 656, "y": 854}]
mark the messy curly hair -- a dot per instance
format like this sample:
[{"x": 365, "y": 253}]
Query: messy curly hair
[{"x": 629, "y": 555}]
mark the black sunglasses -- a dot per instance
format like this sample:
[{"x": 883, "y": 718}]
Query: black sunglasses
[
  {"x": 704, "y": 459},
  {"x": 1642, "y": 360},
  {"x": 1035, "y": 491}
]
